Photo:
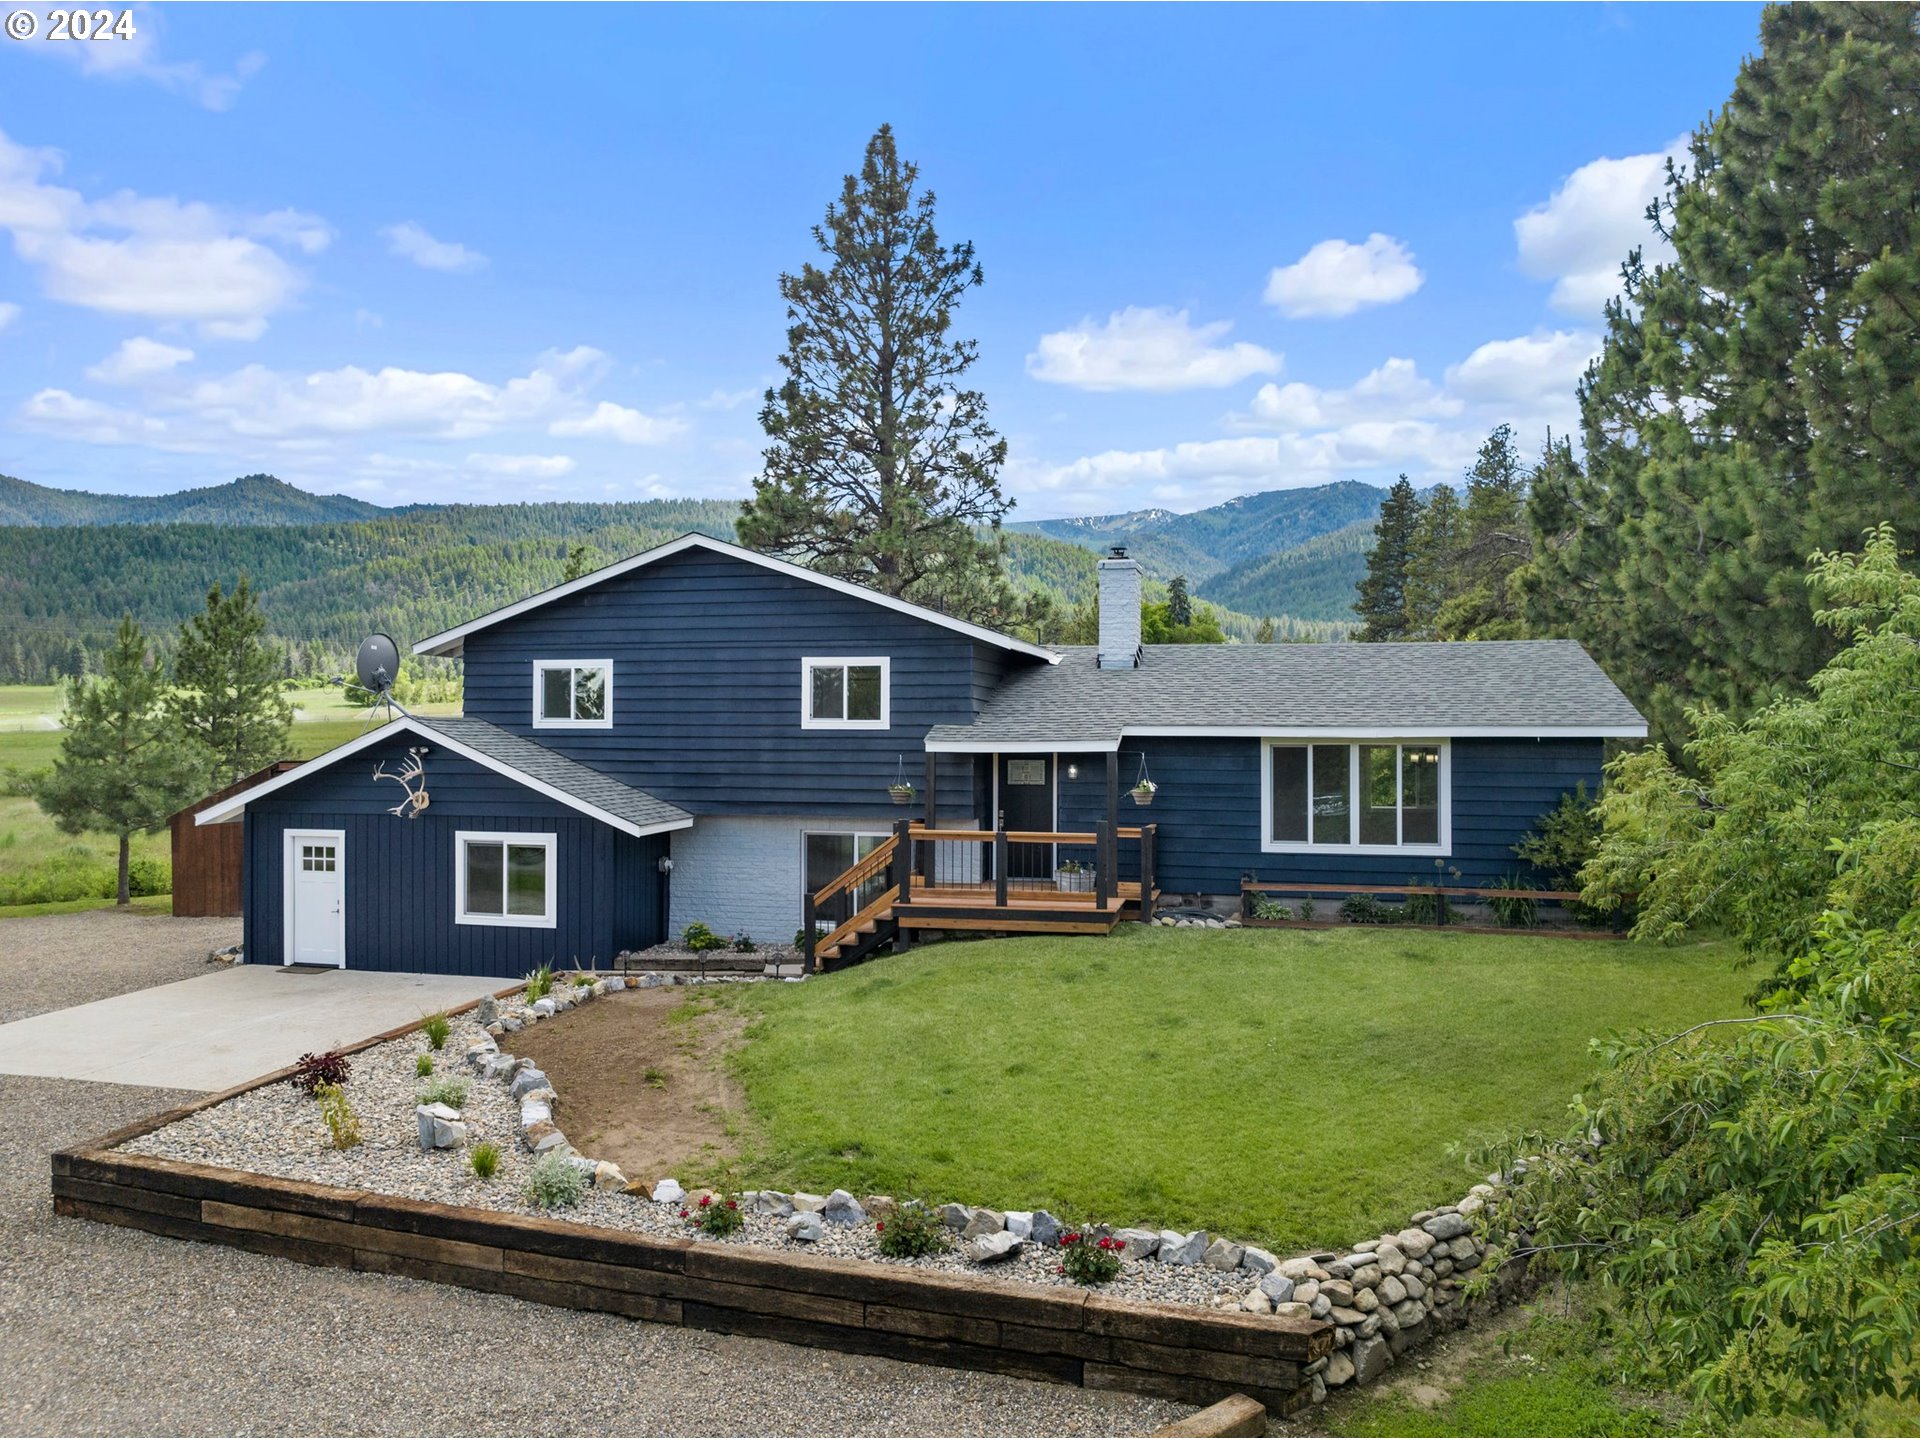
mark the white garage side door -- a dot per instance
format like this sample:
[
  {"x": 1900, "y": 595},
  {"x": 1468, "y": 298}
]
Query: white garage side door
[{"x": 315, "y": 897}]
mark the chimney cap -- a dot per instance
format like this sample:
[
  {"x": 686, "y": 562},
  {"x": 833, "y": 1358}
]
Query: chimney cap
[{"x": 1117, "y": 552}]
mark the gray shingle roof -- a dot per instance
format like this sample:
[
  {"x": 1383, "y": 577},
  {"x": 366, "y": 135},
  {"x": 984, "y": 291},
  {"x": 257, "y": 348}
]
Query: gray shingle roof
[
  {"x": 1506, "y": 684},
  {"x": 571, "y": 778}
]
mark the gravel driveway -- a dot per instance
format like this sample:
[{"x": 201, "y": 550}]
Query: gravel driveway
[
  {"x": 48, "y": 962},
  {"x": 112, "y": 1331}
]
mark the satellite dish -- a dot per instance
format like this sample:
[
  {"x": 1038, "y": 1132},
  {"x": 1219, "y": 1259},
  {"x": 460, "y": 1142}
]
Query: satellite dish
[{"x": 377, "y": 664}]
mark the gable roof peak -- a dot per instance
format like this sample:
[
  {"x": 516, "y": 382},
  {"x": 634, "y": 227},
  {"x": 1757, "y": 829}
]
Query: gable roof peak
[{"x": 450, "y": 642}]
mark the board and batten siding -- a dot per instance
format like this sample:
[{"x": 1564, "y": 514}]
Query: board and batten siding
[
  {"x": 1210, "y": 826},
  {"x": 706, "y": 654},
  {"x": 399, "y": 890}
]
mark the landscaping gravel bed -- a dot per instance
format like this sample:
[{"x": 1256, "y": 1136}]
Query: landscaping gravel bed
[
  {"x": 51, "y": 962},
  {"x": 278, "y": 1131}
]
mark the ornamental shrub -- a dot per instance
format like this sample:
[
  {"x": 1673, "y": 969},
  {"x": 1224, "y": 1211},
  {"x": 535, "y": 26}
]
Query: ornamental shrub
[
  {"x": 436, "y": 1028},
  {"x": 555, "y": 1182},
  {"x": 1087, "y": 1261},
  {"x": 445, "y": 1090},
  {"x": 423, "y": 1065},
  {"x": 912, "y": 1230},
  {"x": 311, "y": 1071},
  {"x": 342, "y": 1124},
  {"x": 484, "y": 1159},
  {"x": 539, "y": 983},
  {"x": 699, "y": 938},
  {"x": 715, "y": 1216}
]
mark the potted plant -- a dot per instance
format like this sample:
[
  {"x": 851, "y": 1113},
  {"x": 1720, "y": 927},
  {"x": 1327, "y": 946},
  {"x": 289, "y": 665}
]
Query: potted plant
[
  {"x": 901, "y": 792},
  {"x": 1072, "y": 875},
  {"x": 1144, "y": 792}
]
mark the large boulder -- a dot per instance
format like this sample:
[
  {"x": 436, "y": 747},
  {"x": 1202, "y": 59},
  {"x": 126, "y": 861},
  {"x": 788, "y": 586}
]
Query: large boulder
[
  {"x": 1140, "y": 1243},
  {"x": 1047, "y": 1230},
  {"x": 1178, "y": 1249},
  {"x": 806, "y": 1226},
  {"x": 529, "y": 1079},
  {"x": 956, "y": 1216},
  {"x": 772, "y": 1202},
  {"x": 1223, "y": 1255},
  {"x": 1257, "y": 1261},
  {"x": 1370, "y": 1359},
  {"x": 439, "y": 1126},
  {"x": 607, "y": 1176},
  {"x": 987, "y": 1248},
  {"x": 1339, "y": 1368},
  {"x": 842, "y": 1209},
  {"x": 1446, "y": 1226},
  {"x": 1276, "y": 1287},
  {"x": 1020, "y": 1223},
  {"x": 487, "y": 1011},
  {"x": 984, "y": 1222},
  {"x": 811, "y": 1204},
  {"x": 669, "y": 1192}
]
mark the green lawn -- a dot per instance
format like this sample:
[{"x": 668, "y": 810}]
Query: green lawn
[{"x": 1300, "y": 1088}]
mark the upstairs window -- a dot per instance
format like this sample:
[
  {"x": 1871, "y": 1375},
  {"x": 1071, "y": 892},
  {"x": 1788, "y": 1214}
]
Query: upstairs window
[
  {"x": 1364, "y": 796},
  {"x": 845, "y": 692},
  {"x": 572, "y": 694}
]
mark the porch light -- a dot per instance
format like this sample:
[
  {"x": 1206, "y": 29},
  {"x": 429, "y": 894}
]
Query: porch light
[
  {"x": 1073, "y": 770},
  {"x": 664, "y": 864}
]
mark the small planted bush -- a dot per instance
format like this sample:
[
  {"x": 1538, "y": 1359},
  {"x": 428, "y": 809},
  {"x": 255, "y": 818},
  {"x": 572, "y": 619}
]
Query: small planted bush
[
  {"x": 1087, "y": 1261},
  {"x": 912, "y": 1230},
  {"x": 699, "y": 938},
  {"x": 342, "y": 1124},
  {"x": 714, "y": 1216},
  {"x": 539, "y": 984},
  {"x": 743, "y": 944},
  {"x": 423, "y": 1065},
  {"x": 445, "y": 1090},
  {"x": 555, "y": 1183},
  {"x": 436, "y": 1028},
  {"x": 1516, "y": 911},
  {"x": 1267, "y": 908},
  {"x": 484, "y": 1159},
  {"x": 311, "y": 1071}
]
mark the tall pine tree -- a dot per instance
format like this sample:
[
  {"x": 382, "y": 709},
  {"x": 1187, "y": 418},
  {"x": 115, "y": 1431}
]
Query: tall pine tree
[
  {"x": 881, "y": 465},
  {"x": 123, "y": 766},
  {"x": 1433, "y": 560},
  {"x": 1382, "y": 606},
  {"x": 1494, "y": 542},
  {"x": 228, "y": 694},
  {"x": 1758, "y": 398}
]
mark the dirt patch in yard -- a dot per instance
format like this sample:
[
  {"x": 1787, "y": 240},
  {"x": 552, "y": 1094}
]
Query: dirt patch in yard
[{"x": 642, "y": 1080}]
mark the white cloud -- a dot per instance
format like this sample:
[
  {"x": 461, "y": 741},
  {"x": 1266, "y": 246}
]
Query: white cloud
[
  {"x": 411, "y": 242},
  {"x": 1527, "y": 372},
  {"x": 58, "y": 412},
  {"x": 1337, "y": 277},
  {"x": 156, "y": 257},
  {"x": 543, "y": 467},
  {"x": 1395, "y": 390},
  {"x": 608, "y": 421},
  {"x": 138, "y": 359},
  {"x": 137, "y": 57},
  {"x": 1579, "y": 237},
  {"x": 8, "y": 314},
  {"x": 720, "y": 399},
  {"x": 1147, "y": 349}
]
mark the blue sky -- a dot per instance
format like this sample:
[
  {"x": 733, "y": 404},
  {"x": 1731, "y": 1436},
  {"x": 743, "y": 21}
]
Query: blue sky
[{"x": 499, "y": 253}]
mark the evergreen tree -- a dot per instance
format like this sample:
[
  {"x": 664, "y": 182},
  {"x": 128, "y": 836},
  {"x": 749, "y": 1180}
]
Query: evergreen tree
[
  {"x": 124, "y": 765},
  {"x": 582, "y": 559},
  {"x": 17, "y": 670},
  {"x": 1264, "y": 634},
  {"x": 1382, "y": 606},
  {"x": 1758, "y": 399},
  {"x": 881, "y": 467},
  {"x": 74, "y": 659},
  {"x": 228, "y": 694},
  {"x": 1494, "y": 542},
  {"x": 1179, "y": 602},
  {"x": 1432, "y": 563}
]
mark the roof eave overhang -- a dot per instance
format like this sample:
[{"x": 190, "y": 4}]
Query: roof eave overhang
[
  {"x": 1064, "y": 745},
  {"x": 451, "y": 642},
  {"x": 226, "y": 811}
]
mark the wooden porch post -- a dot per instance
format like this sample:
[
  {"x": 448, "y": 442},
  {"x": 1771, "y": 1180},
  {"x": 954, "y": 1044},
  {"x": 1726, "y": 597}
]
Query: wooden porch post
[
  {"x": 1104, "y": 883},
  {"x": 933, "y": 788},
  {"x": 1147, "y": 836},
  {"x": 902, "y": 876},
  {"x": 810, "y": 922},
  {"x": 1108, "y": 852},
  {"x": 1000, "y": 866}
]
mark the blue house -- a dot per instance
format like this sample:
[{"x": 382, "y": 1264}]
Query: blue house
[{"x": 700, "y": 732}]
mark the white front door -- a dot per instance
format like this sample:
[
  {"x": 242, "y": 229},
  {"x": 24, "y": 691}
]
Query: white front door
[{"x": 316, "y": 892}]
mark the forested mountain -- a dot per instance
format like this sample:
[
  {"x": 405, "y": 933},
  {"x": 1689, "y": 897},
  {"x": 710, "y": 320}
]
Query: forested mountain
[
  {"x": 329, "y": 569},
  {"x": 250, "y": 500}
]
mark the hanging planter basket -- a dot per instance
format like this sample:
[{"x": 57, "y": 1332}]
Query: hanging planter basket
[
  {"x": 1144, "y": 792},
  {"x": 901, "y": 791}
]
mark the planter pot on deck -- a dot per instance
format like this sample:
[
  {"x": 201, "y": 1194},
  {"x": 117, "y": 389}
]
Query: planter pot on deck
[{"x": 1075, "y": 880}]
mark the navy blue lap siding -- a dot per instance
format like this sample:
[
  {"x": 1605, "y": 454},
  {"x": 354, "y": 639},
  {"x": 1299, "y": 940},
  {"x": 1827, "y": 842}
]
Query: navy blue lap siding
[
  {"x": 400, "y": 873},
  {"x": 706, "y": 653},
  {"x": 1208, "y": 811}
]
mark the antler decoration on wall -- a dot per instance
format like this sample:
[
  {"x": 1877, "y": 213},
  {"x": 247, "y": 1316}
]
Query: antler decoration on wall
[{"x": 412, "y": 779}]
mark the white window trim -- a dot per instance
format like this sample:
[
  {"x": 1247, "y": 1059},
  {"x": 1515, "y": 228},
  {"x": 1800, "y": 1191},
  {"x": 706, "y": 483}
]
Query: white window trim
[
  {"x": 549, "y": 842},
  {"x": 541, "y": 722},
  {"x": 810, "y": 663},
  {"x": 1353, "y": 847}
]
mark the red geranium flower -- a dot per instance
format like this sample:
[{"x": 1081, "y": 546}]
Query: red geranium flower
[
  {"x": 733, "y": 1204},
  {"x": 879, "y": 1226},
  {"x": 705, "y": 1200},
  {"x": 683, "y": 1213}
]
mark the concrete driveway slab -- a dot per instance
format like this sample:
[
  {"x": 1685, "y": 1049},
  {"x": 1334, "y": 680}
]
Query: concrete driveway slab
[{"x": 221, "y": 1029}]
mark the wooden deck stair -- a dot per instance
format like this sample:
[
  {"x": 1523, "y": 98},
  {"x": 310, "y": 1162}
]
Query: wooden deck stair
[{"x": 918, "y": 898}]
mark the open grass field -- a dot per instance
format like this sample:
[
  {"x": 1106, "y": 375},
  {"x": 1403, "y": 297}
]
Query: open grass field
[
  {"x": 1296, "y": 1088},
  {"x": 32, "y": 847}
]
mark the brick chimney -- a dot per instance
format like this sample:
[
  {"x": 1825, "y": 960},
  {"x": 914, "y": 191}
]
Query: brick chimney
[{"x": 1119, "y": 611}]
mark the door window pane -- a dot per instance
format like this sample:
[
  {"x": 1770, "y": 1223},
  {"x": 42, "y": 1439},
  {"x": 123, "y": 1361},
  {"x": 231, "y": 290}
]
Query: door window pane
[
  {"x": 590, "y": 694},
  {"x": 829, "y": 693},
  {"x": 1420, "y": 795},
  {"x": 484, "y": 875},
  {"x": 1289, "y": 818},
  {"x": 526, "y": 879},
  {"x": 1332, "y": 803},
  {"x": 863, "y": 692},
  {"x": 1379, "y": 795}
]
